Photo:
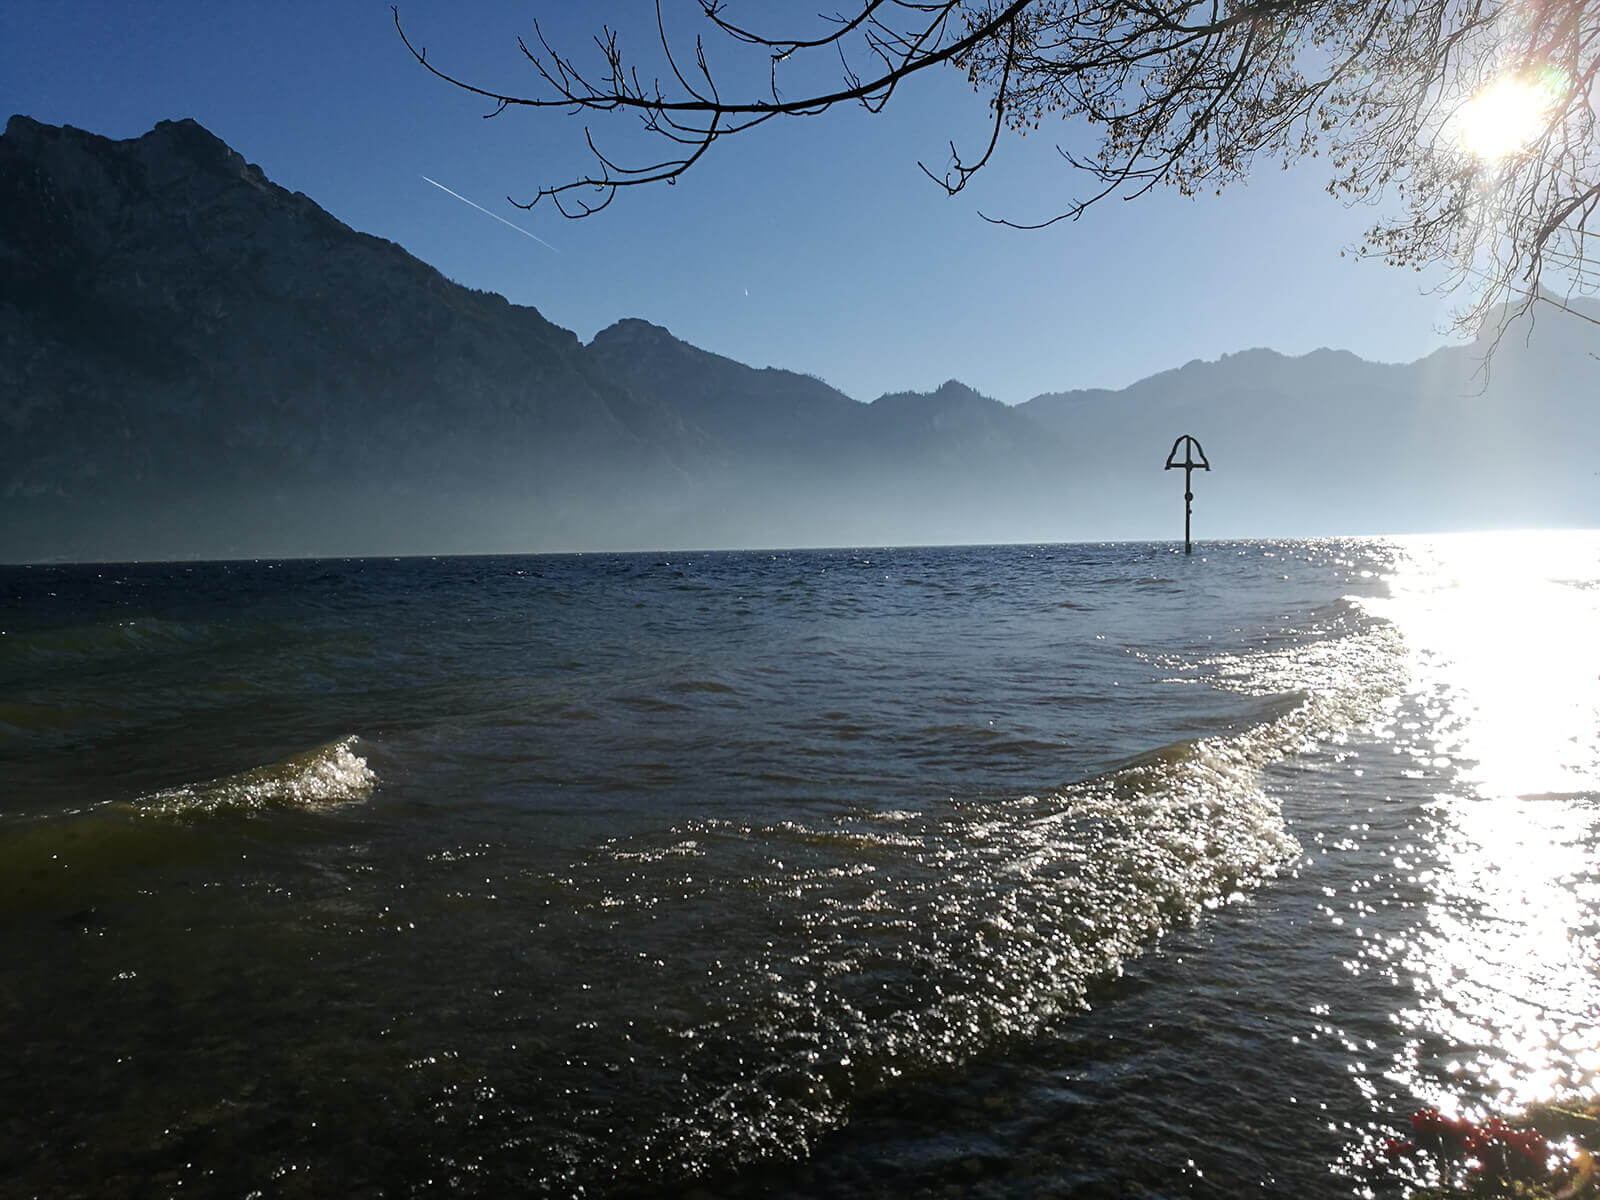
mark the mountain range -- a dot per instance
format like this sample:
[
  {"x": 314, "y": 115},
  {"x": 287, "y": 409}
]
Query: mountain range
[{"x": 197, "y": 363}]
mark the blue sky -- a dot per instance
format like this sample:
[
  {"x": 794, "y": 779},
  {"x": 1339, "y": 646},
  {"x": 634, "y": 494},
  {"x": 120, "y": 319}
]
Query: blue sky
[{"x": 814, "y": 245}]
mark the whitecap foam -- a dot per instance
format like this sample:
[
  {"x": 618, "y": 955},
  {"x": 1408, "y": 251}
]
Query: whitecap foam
[
  {"x": 897, "y": 947},
  {"x": 325, "y": 777}
]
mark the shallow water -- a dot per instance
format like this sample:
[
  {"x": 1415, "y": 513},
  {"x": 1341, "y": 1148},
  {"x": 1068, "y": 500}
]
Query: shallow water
[{"x": 1000, "y": 870}]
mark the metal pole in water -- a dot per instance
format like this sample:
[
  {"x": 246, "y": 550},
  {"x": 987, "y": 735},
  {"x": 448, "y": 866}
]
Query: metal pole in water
[
  {"x": 1188, "y": 507},
  {"x": 1194, "y": 458}
]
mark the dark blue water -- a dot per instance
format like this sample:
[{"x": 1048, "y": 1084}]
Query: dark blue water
[{"x": 1007, "y": 870}]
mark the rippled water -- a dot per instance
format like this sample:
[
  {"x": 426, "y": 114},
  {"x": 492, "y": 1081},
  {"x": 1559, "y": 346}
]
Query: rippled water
[{"x": 1003, "y": 871}]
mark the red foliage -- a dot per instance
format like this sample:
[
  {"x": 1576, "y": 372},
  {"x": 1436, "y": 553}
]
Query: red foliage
[
  {"x": 1494, "y": 1153},
  {"x": 1452, "y": 1133}
]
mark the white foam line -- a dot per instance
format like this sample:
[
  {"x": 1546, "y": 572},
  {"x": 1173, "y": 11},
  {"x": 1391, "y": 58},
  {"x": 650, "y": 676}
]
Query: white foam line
[{"x": 487, "y": 213}]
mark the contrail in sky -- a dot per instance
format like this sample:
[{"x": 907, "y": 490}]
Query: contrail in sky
[{"x": 487, "y": 213}]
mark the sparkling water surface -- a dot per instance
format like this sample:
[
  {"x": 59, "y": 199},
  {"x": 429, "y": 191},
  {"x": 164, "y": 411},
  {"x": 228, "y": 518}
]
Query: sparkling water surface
[{"x": 1006, "y": 871}]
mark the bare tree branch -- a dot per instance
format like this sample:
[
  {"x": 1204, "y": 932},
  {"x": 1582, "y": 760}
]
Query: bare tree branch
[{"x": 1189, "y": 94}]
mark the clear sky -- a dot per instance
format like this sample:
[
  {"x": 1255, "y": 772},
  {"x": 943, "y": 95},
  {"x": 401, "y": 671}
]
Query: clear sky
[{"x": 815, "y": 245}]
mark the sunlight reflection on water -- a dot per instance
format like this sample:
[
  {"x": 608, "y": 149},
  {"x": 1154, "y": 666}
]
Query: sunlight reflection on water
[{"x": 1503, "y": 632}]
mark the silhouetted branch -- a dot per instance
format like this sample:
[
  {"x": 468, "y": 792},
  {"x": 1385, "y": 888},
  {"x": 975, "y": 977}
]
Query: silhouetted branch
[
  {"x": 700, "y": 118},
  {"x": 1182, "y": 93}
]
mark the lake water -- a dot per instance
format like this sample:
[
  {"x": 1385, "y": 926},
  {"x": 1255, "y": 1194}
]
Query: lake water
[{"x": 995, "y": 871}]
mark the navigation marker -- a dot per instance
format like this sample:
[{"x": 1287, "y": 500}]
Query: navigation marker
[{"x": 1194, "y": 458}]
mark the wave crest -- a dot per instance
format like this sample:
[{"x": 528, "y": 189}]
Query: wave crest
[{"x": 326, "y": 777}]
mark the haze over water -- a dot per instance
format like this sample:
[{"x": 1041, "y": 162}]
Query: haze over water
[{"x": 1010, "y": 870}]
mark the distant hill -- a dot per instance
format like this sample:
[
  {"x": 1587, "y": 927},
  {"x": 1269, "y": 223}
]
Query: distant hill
[
  {"x": 195, "y": 362},
  {"x": 1328, "y": 443}
]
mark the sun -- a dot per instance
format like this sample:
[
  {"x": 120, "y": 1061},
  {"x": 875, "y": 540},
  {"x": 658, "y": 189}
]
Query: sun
[{"x": 1504, "y": 117}]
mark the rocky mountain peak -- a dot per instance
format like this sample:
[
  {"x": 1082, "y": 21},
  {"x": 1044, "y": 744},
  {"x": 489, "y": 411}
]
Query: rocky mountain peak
[
  {"x": 632, "y": 331},
  {"x": 20, "y": 127},
  {"x": 191, "y": 142},
  {"x": 953, "y": 391},
  {"x": 950, "y": 396}
]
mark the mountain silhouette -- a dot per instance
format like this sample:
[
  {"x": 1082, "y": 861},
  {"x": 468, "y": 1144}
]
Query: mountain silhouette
[{"x": 195, "y": 362}]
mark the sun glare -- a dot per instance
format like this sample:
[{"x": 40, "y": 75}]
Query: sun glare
[
  {"x": 1503, "y": 631},
  {"x": 1504, "y": 117},
  {"x": 1508, "y": 626}
]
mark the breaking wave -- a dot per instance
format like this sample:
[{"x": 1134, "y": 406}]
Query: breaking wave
[
  {"x": 326, "y": 777},
  {"x": 895, "y": 944}
]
